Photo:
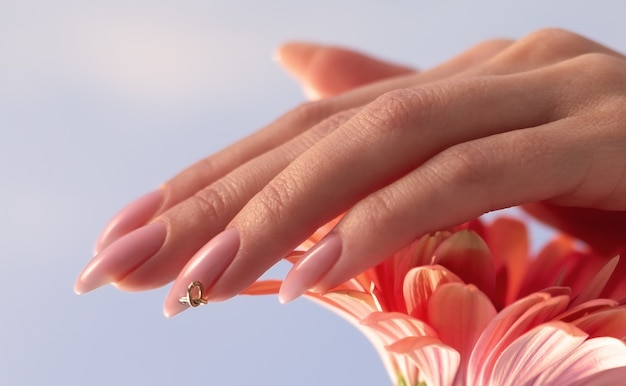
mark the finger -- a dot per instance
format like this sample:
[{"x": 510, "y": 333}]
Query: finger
[
  {"x": 295, "y": 122},
  {"x": 541, "y": 49},
  {"x": 549, "y": 162},
  {"x": 140, "y": 261},
  {"x": 389, "y": 138},
  {"x": 325, "y": 70}
]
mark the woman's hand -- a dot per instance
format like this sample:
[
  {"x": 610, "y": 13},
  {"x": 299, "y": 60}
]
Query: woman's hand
[{"x": 539, "y": 122}]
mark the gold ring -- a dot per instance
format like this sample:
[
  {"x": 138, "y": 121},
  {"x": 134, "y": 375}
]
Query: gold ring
[{"x": 190, "y": 299}]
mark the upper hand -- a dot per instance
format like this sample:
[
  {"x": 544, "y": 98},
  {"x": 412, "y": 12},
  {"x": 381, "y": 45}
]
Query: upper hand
[{"x": 539, "y": 122}]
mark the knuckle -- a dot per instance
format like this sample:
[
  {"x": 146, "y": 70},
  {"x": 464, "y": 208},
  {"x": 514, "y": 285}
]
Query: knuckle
[
  {"x": 377, "y": 210},
  {"x": 547, "y": 45},
  {"x": 273, "y": 201},
  {"x": 603, "y": 77},
  {"x": 600, "y": 66},
  {"x": 491, "y": 45},
  {"x": 332, "y": 122},
  {"x": 400, "y": 109},
  {"x": 463, "y": 165},
  {"x": 308, "y": 113},
  {"x": 213, "y": 200},
  {"x": 552, "y": 36}
]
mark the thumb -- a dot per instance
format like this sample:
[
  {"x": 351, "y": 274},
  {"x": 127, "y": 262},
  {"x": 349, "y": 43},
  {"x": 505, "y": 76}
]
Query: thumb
[{"x": 325, "y": 71}]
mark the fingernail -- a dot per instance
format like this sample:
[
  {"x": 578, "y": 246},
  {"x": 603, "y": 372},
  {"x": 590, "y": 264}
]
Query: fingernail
[
  {"x": 121, "y": 257},
  {"x": 310, "y": 268},
  {"x": 131, "y": 217},
  {"x": 206, "y": 266}
]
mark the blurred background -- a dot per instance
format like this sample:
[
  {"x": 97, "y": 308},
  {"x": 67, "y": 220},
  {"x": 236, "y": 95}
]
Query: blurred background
[{"x": 101, "y": 101}]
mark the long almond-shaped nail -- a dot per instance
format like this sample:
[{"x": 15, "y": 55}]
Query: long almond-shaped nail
[
  {"x": 206, "y": 266},
  {"x": 121, "y": 257},
  {"x": 311, "y": 267},
  {"x": 131, "y": 217}
]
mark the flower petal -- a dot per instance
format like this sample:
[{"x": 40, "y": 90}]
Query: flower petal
[
  {"x": 591, "y": 306},
  {"x": 612, "y": 377},
  {"x": 610, "y": 322},
  {"x": 390, "y": 327},
  {"x": 353, "y": 306},
  {"x": 508, "y": 242},
  {"x": 508, "y": 325},
  {"x": 394, "y": 326},
  {"x": 460, "y": 313},
  {"x": 596, "y": 285},
  {"x": 544, "y": 270},
  {"x": 389, "y": 275},
  {"x": 437, "y": 363},
  {"x": 537, "y": 350},
  {"x": 419, "y": 285},
  {"x": 263, "y": 287},
  {"x": 357, "y": 304},
  {"x": 586, "y": 364},
  {"x": 468, "y": 256}
]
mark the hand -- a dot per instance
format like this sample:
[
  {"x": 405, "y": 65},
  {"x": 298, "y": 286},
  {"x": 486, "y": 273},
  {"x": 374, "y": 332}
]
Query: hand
[{"x": 537, "y": 122}]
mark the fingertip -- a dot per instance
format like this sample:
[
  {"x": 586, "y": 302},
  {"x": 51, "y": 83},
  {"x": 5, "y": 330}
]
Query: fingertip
[
  {"x": 296, "y": 57},
  {"x": 129, "y": 218},
  {"x": 311, "y": 268}
]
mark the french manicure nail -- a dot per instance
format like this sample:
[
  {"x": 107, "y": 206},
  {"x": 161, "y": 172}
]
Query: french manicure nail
[
  {"x": 121, "y": 257},
  {"x": 311, "y": 267},
  {"x": 131, "y": 217},
  {"x": 206, "y": 266}
]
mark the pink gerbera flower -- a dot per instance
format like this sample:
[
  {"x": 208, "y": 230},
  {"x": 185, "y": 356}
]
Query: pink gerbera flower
[{"x": 469, "y": 307}]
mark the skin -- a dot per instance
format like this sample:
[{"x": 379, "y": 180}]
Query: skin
[{"x": 539, "y": 122}]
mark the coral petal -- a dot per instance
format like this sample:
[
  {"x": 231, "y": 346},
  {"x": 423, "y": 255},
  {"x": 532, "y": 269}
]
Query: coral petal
[
  {"x": 581, "y": 310},
  {"x": 468, "y": 256},
  {"x": 460, "y": 313},
  {"x": 419, "y": 285},
  {"x": 263, "y": 287},
  {"x": 508, "y": 242},
  {"x": 610, "y": 322},
  {"x": 595, "y": 287}
]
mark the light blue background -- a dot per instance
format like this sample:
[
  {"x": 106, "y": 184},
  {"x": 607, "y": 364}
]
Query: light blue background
[{"x": 100, "y": 101}]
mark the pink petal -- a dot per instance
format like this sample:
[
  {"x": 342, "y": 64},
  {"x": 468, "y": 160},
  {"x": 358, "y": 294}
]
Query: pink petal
[
  {"x": 437, "y": 363},
  {"x": 531, "y": 354},
  {"x": 595, "y": 287},
  {"x": 508, "y": 325},
  {"x": 389, "y": 327},
  {"x": 612, "y": 377},
  {"x": 393, "y": 326},
  {"x": 355, "y": 303},
  {"x": 420, "y": 283},
  {"x": 460, "y": 313},
  {"x": 468, "y": 256},
  {"x": 587, "y": 362}
]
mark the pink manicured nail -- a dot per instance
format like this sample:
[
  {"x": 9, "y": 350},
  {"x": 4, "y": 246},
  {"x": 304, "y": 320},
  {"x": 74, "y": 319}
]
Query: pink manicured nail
[
  {"x": 310, "y": 268},
  {"x": 131, "y": 217},
  {"x": 121, "y": 257},
  {"x": 206, "y": 266}
]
